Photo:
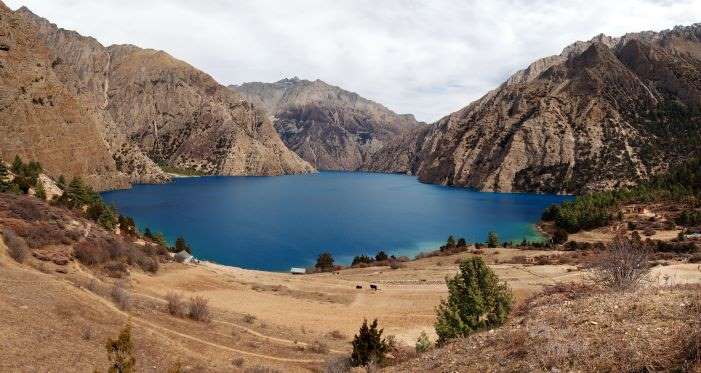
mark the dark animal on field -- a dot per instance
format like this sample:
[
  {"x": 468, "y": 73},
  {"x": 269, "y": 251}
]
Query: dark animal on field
[
  {"x": 373, "y": 287},
  {"x": 358, "y": 286}
]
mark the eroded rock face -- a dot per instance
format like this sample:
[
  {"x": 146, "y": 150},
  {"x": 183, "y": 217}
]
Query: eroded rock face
[
  {"x": 605, "y": 113},
  {"x": 150, "y": 110},
  {"x": 40, "y": 118},
  {"x": 327, "y": 126}
]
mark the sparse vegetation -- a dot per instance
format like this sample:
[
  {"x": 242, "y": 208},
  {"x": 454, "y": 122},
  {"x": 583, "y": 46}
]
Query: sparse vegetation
[
  {"x": 560, "y": 236},
  {"x": 319, "y": 347},
  {"x": 249, "y": 319},
  {"x": 120, "y": 295},
  {"x": 477, "y": 300},
  {"x": 120, "y": 352},
  {"x": 175, "y": 304},
  {"x": 338, "y": 365},
  {"x": 423, "y": 344},
  {"x": 623, "y": 265},
  {"x": 198, "y": 309},
  {"x": 336, "y": 334},
  {"x": 368, "y": 345},
  {"x": 238, "y": 362},
  {"x": 16, "y": 246}
]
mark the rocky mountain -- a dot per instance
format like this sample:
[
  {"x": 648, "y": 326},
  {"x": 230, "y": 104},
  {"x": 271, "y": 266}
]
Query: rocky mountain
[
  {"x": 327, "y": 126},
  {"x": 150, "y": 111},
  {"x": 40, "y": 118},
  {"x": 605, "y": 113}
]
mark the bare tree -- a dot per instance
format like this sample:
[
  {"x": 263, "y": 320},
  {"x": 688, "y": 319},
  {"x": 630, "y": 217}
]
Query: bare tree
[{"x": 624, "y": 265}]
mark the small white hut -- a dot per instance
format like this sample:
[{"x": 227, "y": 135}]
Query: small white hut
[{"x": 183, "y": 257}]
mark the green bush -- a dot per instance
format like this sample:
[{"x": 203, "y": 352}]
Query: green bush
[
  {"x": 423, "y": 344},
  {"x": 368, "y": 345},
  {"x": 476, "y": 300}
]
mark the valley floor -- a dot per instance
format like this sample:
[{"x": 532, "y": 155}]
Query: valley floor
[{"x": 260, "y": 319}]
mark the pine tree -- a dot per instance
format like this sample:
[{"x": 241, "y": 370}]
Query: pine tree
[
  {"x": 451, "y": 241},
  {"x": 4, "y": 175},
  {"x": 40, "y": 192},
  {"x": 492, "y": 240},
  {"x": 368, "y": 345},
  {"x": 181, "y": 245},
  {"x": 17, "y": 165},
  {"x": 325, "y": 262},
  {"x": 147, "y": 233},
  {"x": 381, "y": 256},
  {"x": 127, "y": 225},
  {"x": 120, "y": 352},
  {"x": 462, "y": 242},
  {"x": 61, "y": 183},
  {"x": 159, "y": 239},
  {"x": 476, "y": 300}
]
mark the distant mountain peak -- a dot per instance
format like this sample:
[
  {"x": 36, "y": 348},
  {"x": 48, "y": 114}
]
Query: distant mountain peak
[{"x": 326, "y": 125}]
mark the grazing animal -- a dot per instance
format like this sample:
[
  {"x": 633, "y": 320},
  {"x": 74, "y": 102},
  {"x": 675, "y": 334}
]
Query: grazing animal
[
  {"x": 358, "y": 286},
  {"x": 373, "y": 287}
]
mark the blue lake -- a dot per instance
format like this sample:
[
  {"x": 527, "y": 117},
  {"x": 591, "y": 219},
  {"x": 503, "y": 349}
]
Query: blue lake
[{"x": 274, "y": 223}]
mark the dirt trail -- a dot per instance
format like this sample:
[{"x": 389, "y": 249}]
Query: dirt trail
[
  {"x": 161, "y": 329},
  {"x": 249, "y": 330}
]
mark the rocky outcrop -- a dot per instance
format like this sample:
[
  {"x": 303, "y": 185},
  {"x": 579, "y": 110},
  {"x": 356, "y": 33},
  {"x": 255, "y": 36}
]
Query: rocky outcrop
[
  {"x": 605, "y": 113},
  {"x": 40, "y": 118},
  {"x": 148, "y": 111},
  {"x": 327, "y": 126}
]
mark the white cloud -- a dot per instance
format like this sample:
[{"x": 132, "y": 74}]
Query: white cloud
[{"x": 428, "y": 58}]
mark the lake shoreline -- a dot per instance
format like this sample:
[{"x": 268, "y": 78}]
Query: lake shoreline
[{"x": 288, "y": 221}]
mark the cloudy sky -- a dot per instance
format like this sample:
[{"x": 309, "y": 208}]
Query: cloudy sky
[{"x": 428, "y": 57}]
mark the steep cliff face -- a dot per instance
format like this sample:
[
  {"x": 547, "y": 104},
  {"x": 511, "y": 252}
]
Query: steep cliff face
[
  {"x": 83, "y": 64},
  {"x": 327, "y": 126},
  {"x": 604, "y": 113},
  {"x": 40, "y": 118},
  {"x": 155, "y": 111}
]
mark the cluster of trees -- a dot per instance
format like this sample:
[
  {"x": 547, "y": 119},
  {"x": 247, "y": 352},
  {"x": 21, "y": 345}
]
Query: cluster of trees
[
  {"x": 599, "y": 209},
  {"x": 365, "y": 259},
  {"x": 451, "y": 244},
  {"x": 26, "y": 177},
  {"x": 689, "y": 218},
  {"x": 78, "y": 196}
]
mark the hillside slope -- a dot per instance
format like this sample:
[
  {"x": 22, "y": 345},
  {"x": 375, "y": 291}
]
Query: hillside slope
[
  {"x": 152, "y": 110},
  {"x": 41, "y": 119},
  {"x": 604, "y": 113},
  {"x": 327, "y": 126},
  {"x": 569, "y": 328}
]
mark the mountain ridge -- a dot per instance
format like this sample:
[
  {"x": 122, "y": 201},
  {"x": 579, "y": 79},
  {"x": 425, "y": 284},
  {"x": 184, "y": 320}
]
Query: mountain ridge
[
  {"x": 597, "y": 116},
  {"x": 154, "y": 110},
  {"x": 330, "y": 127}
]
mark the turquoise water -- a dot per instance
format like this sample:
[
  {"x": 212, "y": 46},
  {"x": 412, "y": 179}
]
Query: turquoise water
[{"x": 274, "y": 223}]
